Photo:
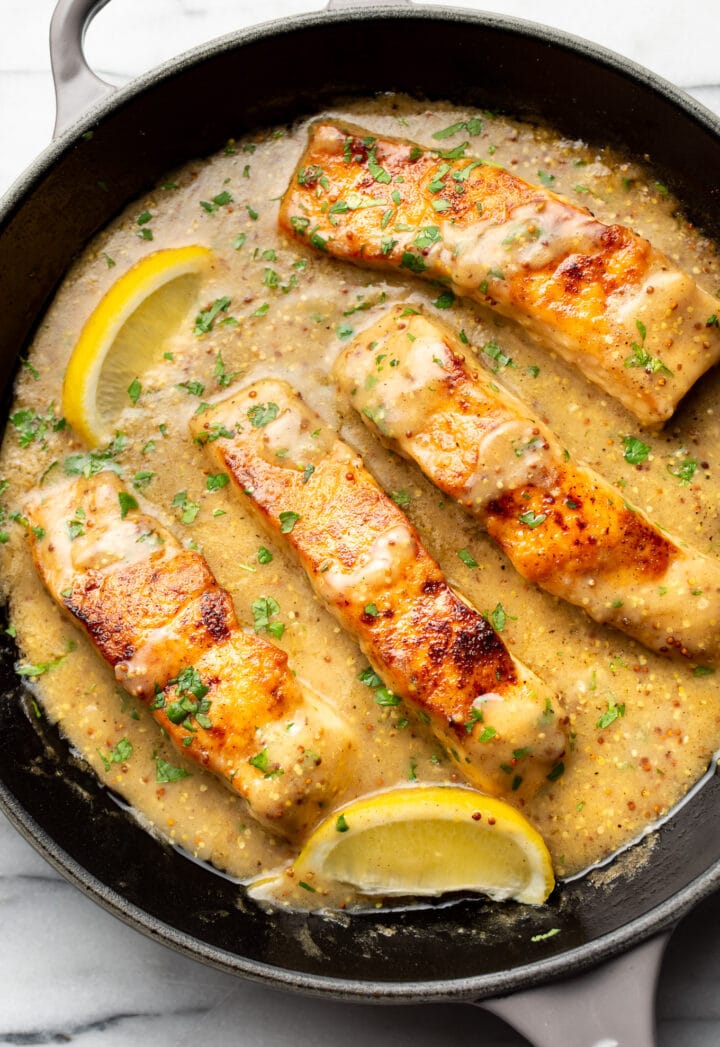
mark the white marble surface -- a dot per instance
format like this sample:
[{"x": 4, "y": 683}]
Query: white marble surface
[{"x": 69, "y": 972}]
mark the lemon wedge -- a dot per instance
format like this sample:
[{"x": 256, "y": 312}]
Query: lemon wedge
[
  {"x": 426, "y": 841},
  {"x": 124, "y": 336}
]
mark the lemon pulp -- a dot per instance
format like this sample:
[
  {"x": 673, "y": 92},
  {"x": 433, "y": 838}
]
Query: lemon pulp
[
  {"x": 425, "y": 841},
  {"x": 124, "y": 336}
]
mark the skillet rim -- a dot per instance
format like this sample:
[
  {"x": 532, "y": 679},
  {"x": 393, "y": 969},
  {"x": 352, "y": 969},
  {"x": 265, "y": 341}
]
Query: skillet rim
[{"x": 467, "y": 988}]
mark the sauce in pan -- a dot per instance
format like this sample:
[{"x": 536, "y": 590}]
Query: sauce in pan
[{"x": 642, "y": 728}]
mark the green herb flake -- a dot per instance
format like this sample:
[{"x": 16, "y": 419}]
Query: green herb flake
[
  {"x": 544, "y": 937},
  {"x": 499, "y": 618},
  {"x": 401, "y": 498},
  {"x": 263, "y": 610},
  {"x": 166, "y": 772},
  {"x": 413, "y": 262},
  {"x": 341, "y": 824},
  {"x": 500, "y": 359},
  {"x": 545, "y": 178},
  {"x": 703, "y": 670},
  {"x": 32, "y": 671},
  {"x": 531, "y": 520},
  {"x": 467, "y": 559},
  {"x": 370, "y": 678},
  {"x": 260, "y": 760},
  {"x": 264, "y": 555},
  {"x": 261, "y": 415},
  {"x": 445, "y": 300},
  {"x": 192, "y": 388},
  {"x": 685, "y": 471},
  {"x": 611, "y": 714},
  {"x": 216, "y": 481},
  {"x": 127, "y": 502},
  {"x": 134, "y": 390},
  {"x": 206, "y": 317},
  {"x": 188, "y": 508},
  {"x": 385, "y": 697},
  {"x": 635, "y": 450},
  {"x": 371, "y": 610},
  {"x": 287, "y": 521}
]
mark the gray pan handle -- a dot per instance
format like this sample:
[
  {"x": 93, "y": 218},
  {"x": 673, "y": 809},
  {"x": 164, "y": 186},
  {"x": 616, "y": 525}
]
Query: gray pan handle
[
  {"x": 76, "y": 86},
  {"x": 612, "y": 1005}
]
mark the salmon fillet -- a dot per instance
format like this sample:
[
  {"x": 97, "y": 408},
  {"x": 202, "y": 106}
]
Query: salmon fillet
[
  {"x": 225, "y": 698},
  {"x": 602, "y": 296},
  {"x": 561, "y": 524},
  {"x": 501, "y": 725}
]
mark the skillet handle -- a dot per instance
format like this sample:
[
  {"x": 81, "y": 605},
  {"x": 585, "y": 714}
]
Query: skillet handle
[
  {"x": 608, "y": 1006},
  {"x": 76, "y": 86}
]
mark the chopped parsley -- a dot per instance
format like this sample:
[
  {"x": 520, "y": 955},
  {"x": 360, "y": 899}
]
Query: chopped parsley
[
  {"x": 127, "y": 502},
  {"x": 611, "y": 714},
  {"x": 473, "y": 127},
  {"x": 413, "y": 262},
  {"x": 32, "y": 671},
  {"x": 531, "y": 519},
  {"x": 401, "y": 498},
  {"x": 499, "y": 618},
  {"x": 288, "y": 520},
  {"x": 445, "y": 300},
  {"x": 32, "y": 427},
  {"x": 119, "y": 753},
  {"x": 684, "y": 471},
  {"x": 206, "y": 317},
  {"x": 500, "y": 359},
  {"x": 216, "y": 481},
  {"x": 220, "y": 373},
  {"x": 262, "y": 414},
  {"x": 467, "y": 559},
  {"x": 166, "y": 772},
  {"x": 188, "y": 508},
  {"x": 263, "y": 610},
  {"x": 640, "y": 357},
  {"x": 635, "y": 450}
]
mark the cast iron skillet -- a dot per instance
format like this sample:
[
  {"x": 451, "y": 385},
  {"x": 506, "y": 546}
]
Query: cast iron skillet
[{"x": 463, "y": 949}]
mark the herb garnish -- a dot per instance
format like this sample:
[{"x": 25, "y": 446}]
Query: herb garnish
[
  {"x": 262, "y": 414},
  {"x": 206, "y": 317},
  {"x": 263, "y": 611}
]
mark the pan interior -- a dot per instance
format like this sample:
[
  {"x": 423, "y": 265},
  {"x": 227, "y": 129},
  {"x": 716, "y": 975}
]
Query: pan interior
[{"x": 191, "y": 108}]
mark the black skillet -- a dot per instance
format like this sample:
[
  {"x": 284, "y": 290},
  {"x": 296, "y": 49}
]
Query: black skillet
[{"x": 123, "y": 141}]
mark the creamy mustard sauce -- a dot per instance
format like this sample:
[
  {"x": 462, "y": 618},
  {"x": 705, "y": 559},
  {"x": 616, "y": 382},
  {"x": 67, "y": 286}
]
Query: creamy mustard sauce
[{"x": 642, "y": 729}]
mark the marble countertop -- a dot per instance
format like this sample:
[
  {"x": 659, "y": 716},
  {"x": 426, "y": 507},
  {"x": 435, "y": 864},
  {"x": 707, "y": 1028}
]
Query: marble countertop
[{"x": 71, "y": 973}]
